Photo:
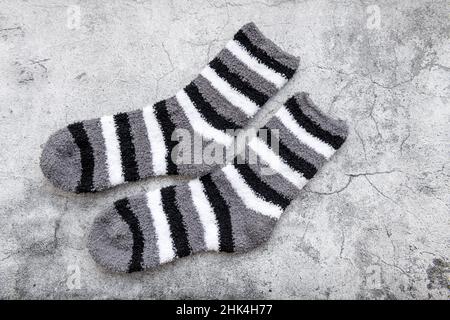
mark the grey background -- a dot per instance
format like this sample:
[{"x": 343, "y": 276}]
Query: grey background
[{"x": 373, "y": 224}]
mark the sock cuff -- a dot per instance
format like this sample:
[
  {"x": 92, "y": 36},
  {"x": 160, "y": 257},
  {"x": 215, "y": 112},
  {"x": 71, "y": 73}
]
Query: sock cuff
[
  {"x": 298, "y": 141},
  {"x": 304, "y": 103},
  {"x": 268, "y": 46},
  {"x": 306, "y": 129}
]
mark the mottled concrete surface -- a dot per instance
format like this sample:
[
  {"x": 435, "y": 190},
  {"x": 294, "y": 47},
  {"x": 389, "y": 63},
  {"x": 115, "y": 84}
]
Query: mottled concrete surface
[{"x": 373, "y": 225}]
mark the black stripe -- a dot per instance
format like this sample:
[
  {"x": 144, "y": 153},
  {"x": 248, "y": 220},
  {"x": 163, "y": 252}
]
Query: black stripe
[
  {"x": 259, "y": 53},
  {"x": 239, "y": 84},
  {"x": 127, "y": 149},
  {"x": 260, "y": 187},
  {"x": 177, "y": 228},
  {"x": 167, "y": 127},
  {"x": 291, "y": 158},
  {"x": 222, "y": 213},
  {"x": 313, "y": 128},
  {"x": 208, "y": 112},
  {"x": 86, "y": 183},
  {"x": 123, "y": 208}
]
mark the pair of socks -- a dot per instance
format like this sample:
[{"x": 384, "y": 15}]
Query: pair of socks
[{"x": 233, "y": 205}]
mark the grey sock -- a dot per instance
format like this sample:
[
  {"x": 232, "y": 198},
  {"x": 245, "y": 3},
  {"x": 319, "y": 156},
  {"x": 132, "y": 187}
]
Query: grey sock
[
  {"x": 97, "y": 154},
  {"x": 232, "y": 209}
]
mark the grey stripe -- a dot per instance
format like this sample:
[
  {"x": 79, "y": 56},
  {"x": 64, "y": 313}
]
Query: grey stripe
[
  {"x": 259, "y": 40},
  {"x": 141, "y": 143},
  {"x": 250, "y": 228},
  {"x": 312, "y": 111},
  {"x": 191, "y": 219},
  {"x": 219, "y": 103},
  {"x": 190, "y": 168},
  {"x": 295, "y": 145},
  {"x": 255, "y": 80},
  {"x": 150, "y": 254},
  {"x": 177, "y": 114},
  {"x": 94, "y": 131}
]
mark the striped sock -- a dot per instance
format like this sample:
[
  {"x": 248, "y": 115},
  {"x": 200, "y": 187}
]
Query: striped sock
[
  {"x": 232, "y": 209},
  {"x": 97, "y": 154}
]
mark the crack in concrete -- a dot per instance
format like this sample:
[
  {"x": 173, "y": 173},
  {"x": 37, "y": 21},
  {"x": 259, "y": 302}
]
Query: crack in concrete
[
  {"x": 340, "y": 94},
  {"x": 378, "y": 190},
  {"x": 40, "y": 63},
  {"x": 362, "y": 142},
  {"x": 351, "y": 176},
  {"x": 371, "y": 115},
  {"x": 393, "y": 265},
  {"x": 342, "y": 243},
  {"x": 332, "y": 192},
  {"x": 11, "y": 29},
  {"x": 167, "y": 54},
  {"x": 165, "y": 74},
  {"x": 373, "y": 173},
  {"x": 404, "y": 140}
]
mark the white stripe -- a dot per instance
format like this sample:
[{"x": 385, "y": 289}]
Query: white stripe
[
  {"x": 113, "y": 157},
  {"x": 156, "y": 139},
  {"x": 199, "y": 124},
  {"x": 250, "y": 199},
  {"x": 206, "y": 214},
  {"x": 253, "y": 63},
  {"x": 313, "y": 142},
  {"x": 162, "y": 228},
  {"x": 232, "y": 95},
  {"x": 274, "y": 162}
]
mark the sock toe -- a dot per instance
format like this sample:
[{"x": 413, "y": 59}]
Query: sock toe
[
  {"x": 110, "y": 241},
  {"x": 61, "y": 160}
]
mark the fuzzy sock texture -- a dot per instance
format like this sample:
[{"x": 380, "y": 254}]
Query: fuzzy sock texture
[
  {"x": 232, "y": 209},
  {"x": 97, "y": 154}
]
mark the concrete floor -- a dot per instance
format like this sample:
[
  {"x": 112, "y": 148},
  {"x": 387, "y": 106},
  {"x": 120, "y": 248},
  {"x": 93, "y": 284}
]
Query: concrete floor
[{"x": 374, "y": 224}]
